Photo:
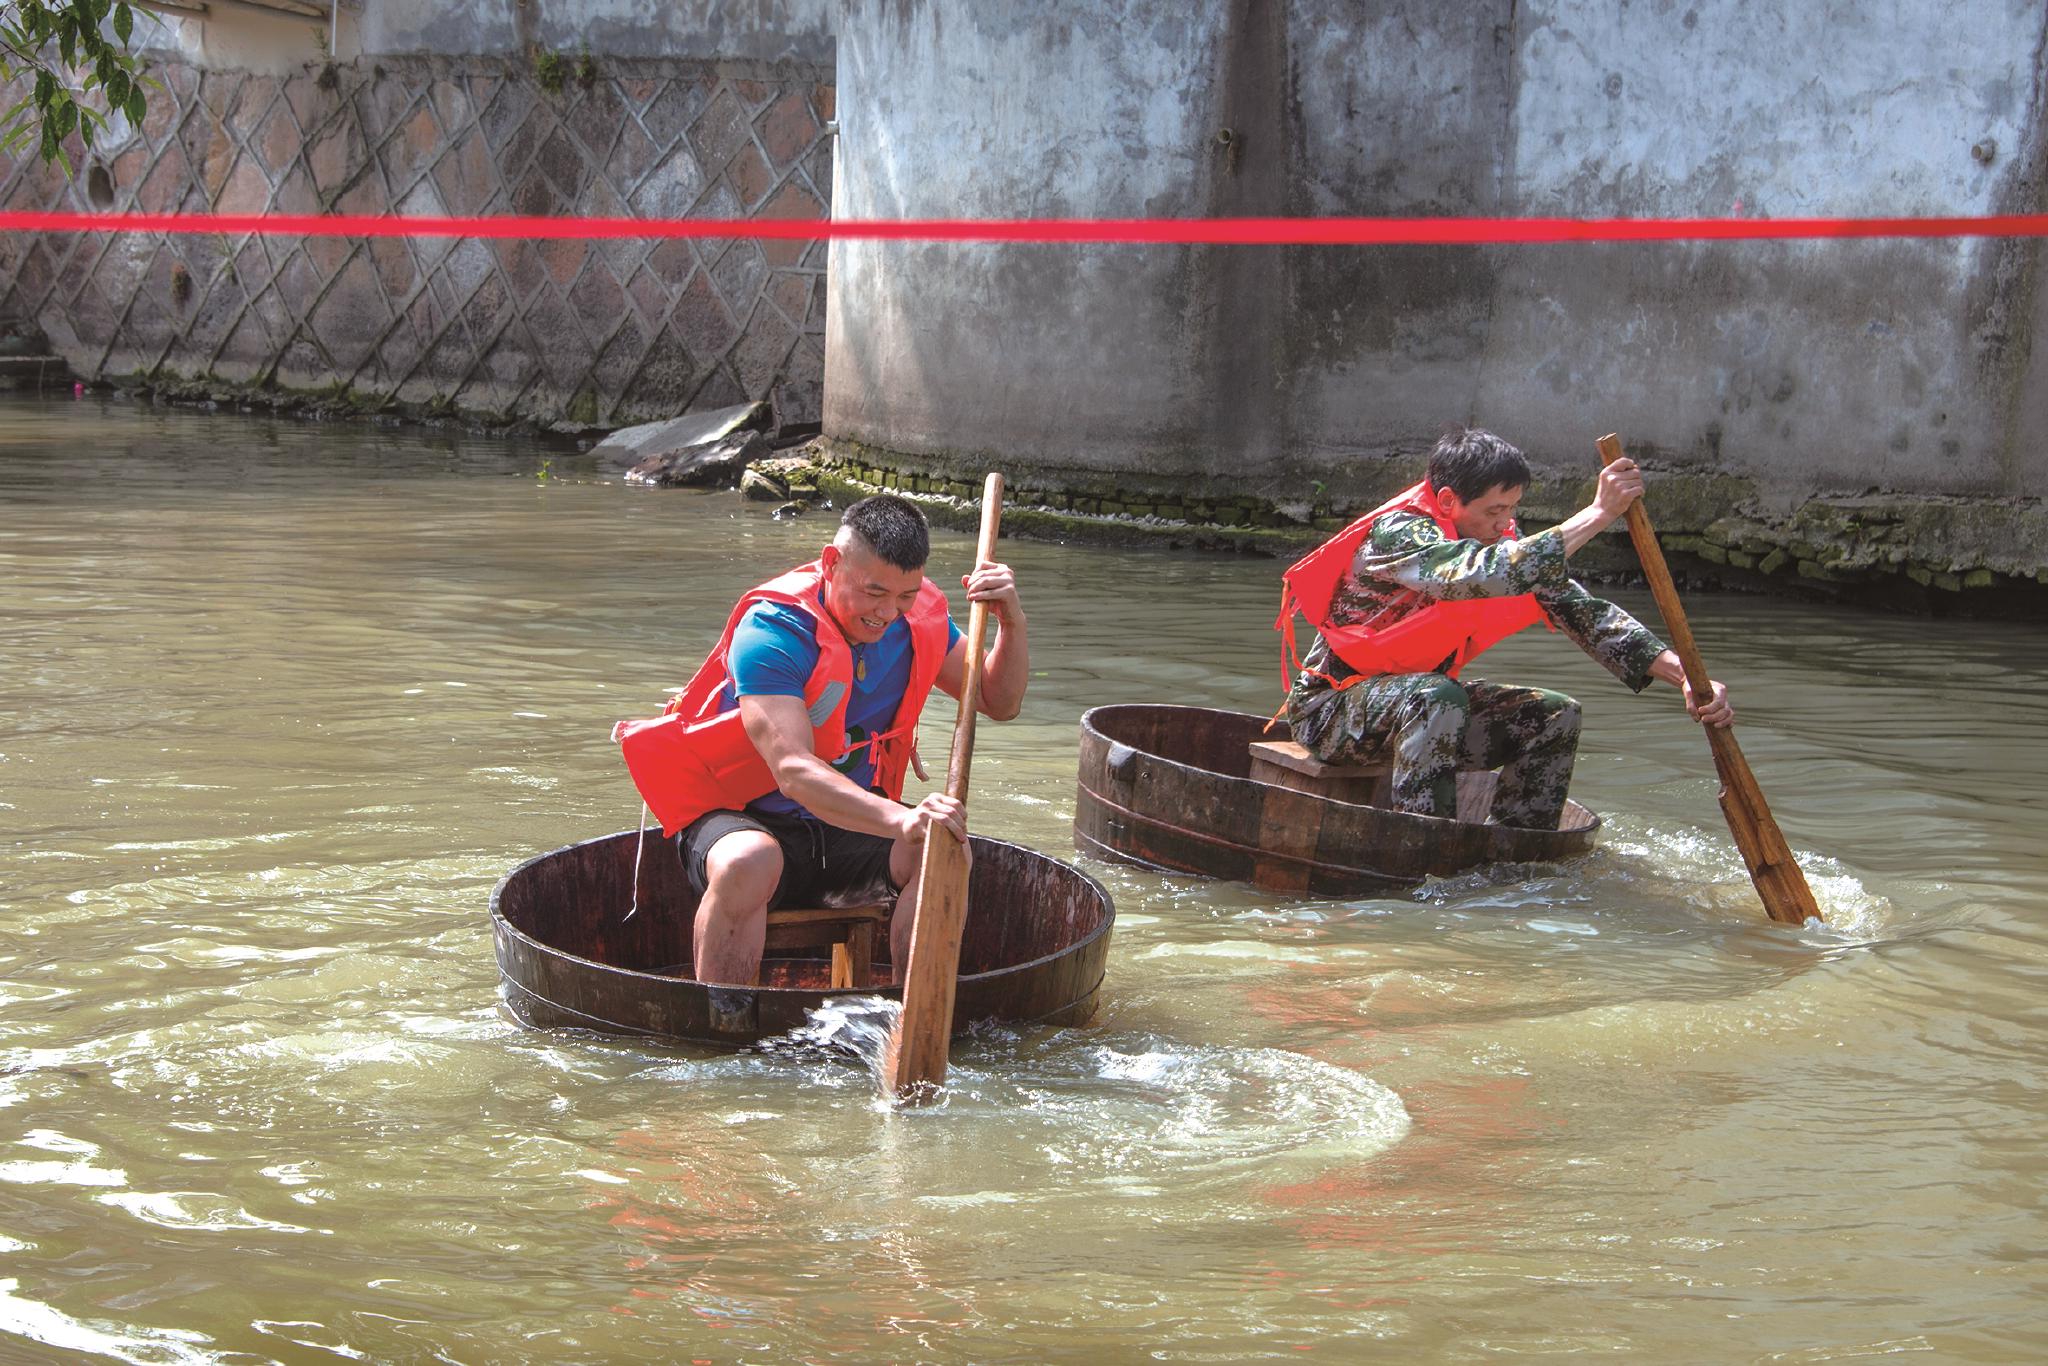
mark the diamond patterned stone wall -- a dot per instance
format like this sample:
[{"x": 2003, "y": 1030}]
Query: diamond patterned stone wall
[{"x": 601, "y": 333}]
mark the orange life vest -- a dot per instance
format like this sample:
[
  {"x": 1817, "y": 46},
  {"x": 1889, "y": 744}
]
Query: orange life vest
[
  {"x": 1417, "y": 643},
  {"x": 693, "y": 758}
]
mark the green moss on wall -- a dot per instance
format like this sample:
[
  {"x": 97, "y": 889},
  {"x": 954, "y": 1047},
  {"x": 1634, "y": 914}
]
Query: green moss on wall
[{"x": 1714, "y": 528}]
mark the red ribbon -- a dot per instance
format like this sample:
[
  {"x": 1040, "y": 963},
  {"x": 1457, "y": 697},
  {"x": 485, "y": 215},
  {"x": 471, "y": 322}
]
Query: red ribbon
[{"x": 1185, "y": 231}]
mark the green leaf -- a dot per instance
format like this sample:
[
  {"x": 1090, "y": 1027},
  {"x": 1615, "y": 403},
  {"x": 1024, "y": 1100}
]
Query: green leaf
[{"x": 70, "y": 50}]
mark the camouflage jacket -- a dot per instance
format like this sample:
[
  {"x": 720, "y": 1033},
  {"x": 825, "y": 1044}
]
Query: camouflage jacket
[{"x": 1406, "y": 563}]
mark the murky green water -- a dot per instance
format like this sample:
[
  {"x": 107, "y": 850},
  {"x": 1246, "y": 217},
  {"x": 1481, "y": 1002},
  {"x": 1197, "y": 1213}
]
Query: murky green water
[{"x": 280, "y": 702}]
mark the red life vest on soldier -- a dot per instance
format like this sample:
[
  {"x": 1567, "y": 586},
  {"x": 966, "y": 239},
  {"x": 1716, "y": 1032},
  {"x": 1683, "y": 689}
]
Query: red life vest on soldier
[
  {"x": 1417, "y": 643},
  {"x": 693, "y": 758}
]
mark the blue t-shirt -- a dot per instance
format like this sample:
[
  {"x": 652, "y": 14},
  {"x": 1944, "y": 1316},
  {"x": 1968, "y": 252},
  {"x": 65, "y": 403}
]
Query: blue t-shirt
[{"x": 775, "y": 648}]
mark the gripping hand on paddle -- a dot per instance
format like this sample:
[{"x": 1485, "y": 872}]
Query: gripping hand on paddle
[
  {"x": 1718, "y": 711},
  {"x": 949, "y": 813},
  {"x": 1621, "y": 483},
  {"x": 995, "y": 585}
]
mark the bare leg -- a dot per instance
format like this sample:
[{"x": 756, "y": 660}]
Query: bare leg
[
  {"x": 906, "y": 865},
  {"x": 732, "y": 918}
]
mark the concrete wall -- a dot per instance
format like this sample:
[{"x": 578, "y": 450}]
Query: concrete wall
[
  {"x": 243, "y": 40},
  {"x": 703, "y": 30},
  {"x": 1794, "y": 368},
  {"x": 980, "y": 111},
  {"x": 1764, "y": 379},
  {"x": 723, "y": 30},
  {"x": 1838, "y": 365},
  {"x": 403, "y": 28}
]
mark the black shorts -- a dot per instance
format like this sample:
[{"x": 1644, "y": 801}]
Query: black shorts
[{"x": 822, "y": 865}]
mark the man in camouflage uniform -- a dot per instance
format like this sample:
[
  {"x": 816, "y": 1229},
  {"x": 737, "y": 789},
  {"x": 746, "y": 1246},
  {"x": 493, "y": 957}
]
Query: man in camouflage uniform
[{"x": 1430, "y": 725}]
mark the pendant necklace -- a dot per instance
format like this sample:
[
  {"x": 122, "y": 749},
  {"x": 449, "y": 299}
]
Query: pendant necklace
[{"x": 860, "y": 663}]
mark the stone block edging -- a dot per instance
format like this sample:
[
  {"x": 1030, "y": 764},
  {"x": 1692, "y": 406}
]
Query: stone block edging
[{"x": 1915, "y": 553}]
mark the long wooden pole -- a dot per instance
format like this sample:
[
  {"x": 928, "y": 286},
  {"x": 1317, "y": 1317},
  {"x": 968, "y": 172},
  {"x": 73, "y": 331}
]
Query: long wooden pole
[
  {"x": 1772, "y": 868},
  {"x": 915, "y": 1063}
]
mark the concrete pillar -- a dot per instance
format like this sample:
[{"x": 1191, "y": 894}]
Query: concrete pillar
[{"x": 1794, "y": 367}]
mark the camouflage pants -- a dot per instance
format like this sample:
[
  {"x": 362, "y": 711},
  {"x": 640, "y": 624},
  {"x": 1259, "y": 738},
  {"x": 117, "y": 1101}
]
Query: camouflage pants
[{"x": 1430, "y": 726}]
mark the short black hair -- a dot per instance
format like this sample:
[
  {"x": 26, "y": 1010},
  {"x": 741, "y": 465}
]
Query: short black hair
[
  {"x": 1469, "y": 461},
  {"x": 892, "y": 529}
]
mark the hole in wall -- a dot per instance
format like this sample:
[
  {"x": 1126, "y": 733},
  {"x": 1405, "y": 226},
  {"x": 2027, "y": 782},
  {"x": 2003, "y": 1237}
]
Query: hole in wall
[{"x": 99, "y": 187}]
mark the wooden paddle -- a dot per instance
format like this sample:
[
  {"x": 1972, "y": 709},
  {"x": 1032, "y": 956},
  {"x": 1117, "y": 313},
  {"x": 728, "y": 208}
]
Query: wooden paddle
[
  {"x": 914, "y": 1064},
  {"x": 1772, "y": 868}
]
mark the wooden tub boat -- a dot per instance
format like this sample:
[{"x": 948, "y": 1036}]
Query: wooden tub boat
[
  {"x": 1171, "y": 787},
  {"x": 1033, "y": 949}
]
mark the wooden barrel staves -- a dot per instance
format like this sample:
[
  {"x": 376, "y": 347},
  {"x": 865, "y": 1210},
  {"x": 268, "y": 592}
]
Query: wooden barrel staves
[
  {"x": 1034, "y": 948},
  {"x": 1171, "y": 787}
]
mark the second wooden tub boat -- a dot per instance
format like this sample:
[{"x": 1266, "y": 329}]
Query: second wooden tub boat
[
  {"x": 1172, "y": 787},
  {"x": 1032, "y": 952}
]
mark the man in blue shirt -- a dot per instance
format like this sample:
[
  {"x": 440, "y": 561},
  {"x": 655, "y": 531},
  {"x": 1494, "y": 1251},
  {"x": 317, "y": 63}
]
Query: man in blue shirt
[{"x": 828, "y": 835}]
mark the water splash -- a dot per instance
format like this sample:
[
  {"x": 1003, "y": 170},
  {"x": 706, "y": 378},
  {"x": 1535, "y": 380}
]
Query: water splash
[
  {"x": 1080, "y": 1107},
  {"x": 1672, "y": 878},
  {"x": 1141, "y": 1110},
  {"x": 856, "y": 1027}
]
